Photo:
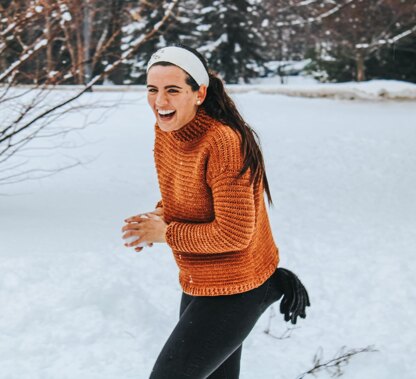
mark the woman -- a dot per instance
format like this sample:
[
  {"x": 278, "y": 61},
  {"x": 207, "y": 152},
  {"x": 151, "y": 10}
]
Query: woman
[{"x": 212, "y": 214}]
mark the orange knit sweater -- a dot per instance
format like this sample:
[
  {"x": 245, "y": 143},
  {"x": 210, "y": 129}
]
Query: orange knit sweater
[{"x": 218, "y": 227}]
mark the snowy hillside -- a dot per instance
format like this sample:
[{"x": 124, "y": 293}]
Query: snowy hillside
[{"x": 75, "y": 303}]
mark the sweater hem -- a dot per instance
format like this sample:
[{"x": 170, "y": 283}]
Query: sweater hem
[{"x": 231, "y": 289}]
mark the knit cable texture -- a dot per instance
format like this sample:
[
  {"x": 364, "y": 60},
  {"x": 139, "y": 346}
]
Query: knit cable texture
[{"x": 218, "y": 226}]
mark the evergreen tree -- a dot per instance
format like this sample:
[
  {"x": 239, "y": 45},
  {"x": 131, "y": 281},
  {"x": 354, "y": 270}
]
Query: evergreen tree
[
  {"x": 181, "y": 28},
  {"x": 394, "y": 62},
  {"x": 232, "y": 41}
]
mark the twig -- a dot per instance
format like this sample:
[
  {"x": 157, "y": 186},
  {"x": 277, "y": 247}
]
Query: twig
[
  {"x": 334, "y": 366},
  {"x": 286, "y": 334}
]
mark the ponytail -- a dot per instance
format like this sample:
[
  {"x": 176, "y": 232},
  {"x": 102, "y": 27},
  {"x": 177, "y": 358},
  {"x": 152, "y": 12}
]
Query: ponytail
[{"x": 220, "y": 106}]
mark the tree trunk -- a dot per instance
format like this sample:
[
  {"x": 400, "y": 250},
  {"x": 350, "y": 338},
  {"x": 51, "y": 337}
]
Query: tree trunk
[
  {"x": 86, "y": 31},
  {"x": 80, "y": 51},
  {"x": 48, "y": 34},
  {"x": 114, "y": 51},
  {"x": 360, "y": 67}
]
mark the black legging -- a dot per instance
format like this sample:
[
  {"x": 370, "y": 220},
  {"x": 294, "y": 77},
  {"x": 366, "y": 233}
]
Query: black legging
[{"x": 207, "y": 340}]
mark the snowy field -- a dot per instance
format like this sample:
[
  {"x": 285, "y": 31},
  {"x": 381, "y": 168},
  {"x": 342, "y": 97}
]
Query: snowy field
[{"x": 76, "y": 304}]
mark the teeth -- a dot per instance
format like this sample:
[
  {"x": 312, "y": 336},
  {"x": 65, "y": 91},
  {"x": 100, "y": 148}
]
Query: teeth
[{"x": 164, "y": 113}]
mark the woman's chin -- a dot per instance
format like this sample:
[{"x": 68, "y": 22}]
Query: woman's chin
[{"x": 168, "y": 125}]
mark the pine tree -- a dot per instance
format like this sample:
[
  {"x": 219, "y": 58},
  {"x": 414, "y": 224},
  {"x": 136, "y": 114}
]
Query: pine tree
[
  {"x": 232, "y": 39},
  {"x": 394, "y": 62},
  {"x": 181, "y": 28}
]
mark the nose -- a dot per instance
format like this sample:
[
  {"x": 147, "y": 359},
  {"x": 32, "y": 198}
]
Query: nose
[{"x": 161, "y": 99}]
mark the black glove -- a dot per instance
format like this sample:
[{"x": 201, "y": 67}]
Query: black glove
[{"x": 295, "y": 297}]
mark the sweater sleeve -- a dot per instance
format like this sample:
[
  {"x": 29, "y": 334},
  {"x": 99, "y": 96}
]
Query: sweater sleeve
[{"x": 233, "y": 199}]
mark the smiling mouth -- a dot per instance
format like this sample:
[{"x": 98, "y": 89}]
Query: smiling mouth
[{"x": 166, "y": 115}]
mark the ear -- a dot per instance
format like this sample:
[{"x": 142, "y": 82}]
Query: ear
[{"x": 202, "y": 93}]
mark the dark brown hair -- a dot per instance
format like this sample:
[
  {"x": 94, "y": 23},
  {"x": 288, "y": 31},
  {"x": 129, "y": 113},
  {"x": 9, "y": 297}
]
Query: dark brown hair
[{"x": 220, "y": 106}]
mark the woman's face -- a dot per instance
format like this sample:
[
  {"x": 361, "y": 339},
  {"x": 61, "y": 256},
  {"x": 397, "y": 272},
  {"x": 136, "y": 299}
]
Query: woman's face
[{"x": 172, "y": 100}]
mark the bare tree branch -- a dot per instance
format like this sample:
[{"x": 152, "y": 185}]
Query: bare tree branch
[
  {"x": 29, "y": 122},
  {"x": 286, "y": 334},
  {"x": 27, "y": 54},
  {"x": 33, "y": 174},
  {"x": 335, "y": 365},
  {"x": 386, "y": 41},
  {"x": 315, "y": 19}
]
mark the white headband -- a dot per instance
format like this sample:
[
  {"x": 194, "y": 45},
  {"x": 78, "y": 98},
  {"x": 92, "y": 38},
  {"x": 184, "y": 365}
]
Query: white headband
[{"x": 184, "y": 59}]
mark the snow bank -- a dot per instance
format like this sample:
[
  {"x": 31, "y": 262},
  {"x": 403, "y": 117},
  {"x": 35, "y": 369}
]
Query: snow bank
[
  {"x": 371, "y": 90},
  {"x": 302, "y": 87}
]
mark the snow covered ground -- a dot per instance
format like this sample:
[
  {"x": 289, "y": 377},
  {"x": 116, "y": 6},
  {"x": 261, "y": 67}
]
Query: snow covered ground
[{"x": 75, "y": 303}]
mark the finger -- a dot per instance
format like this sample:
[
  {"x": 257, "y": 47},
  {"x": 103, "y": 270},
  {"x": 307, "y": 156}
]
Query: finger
[
  {"x": 301, "y": 306},
  {"x": 153, "y": 216},
  {"x": 294, "y": 288},
  {"x": 135, "y": 243},
  {"x": 303, "y": 298},
  {"x": 130, "y": 238},
  {"x": 131, "y": 233},
  {"x": 131, "y": 226},
  {"x": 128, "y": 219},
  {"x": 282, "y": 309},
  {"x": 287, "y": 316},
  {"x": 304, "y": 301},
  {"x": 298, "y": 298},
  {"x": 136, "y": 218},
  {"x": 138, "y": 249},
  {"x": 293, "y": 320},
  {"x": 307, "y": 302}
]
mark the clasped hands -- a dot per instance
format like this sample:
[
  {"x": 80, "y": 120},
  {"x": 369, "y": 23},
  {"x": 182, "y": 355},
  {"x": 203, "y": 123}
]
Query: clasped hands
[{"x": 148, "y": 228}]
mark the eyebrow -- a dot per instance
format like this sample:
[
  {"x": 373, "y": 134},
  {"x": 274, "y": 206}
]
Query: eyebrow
[{"x": 166, "y": 87}]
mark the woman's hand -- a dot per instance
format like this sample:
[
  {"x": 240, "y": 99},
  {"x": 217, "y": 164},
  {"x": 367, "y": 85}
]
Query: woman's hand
[
  {"x": 148, "y": 229},
  {"x": 158, "y": 212}
]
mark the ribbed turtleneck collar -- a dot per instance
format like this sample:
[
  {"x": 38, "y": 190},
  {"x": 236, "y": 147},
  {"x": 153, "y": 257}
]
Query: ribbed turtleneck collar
[{"x": 193, "y": 129}]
